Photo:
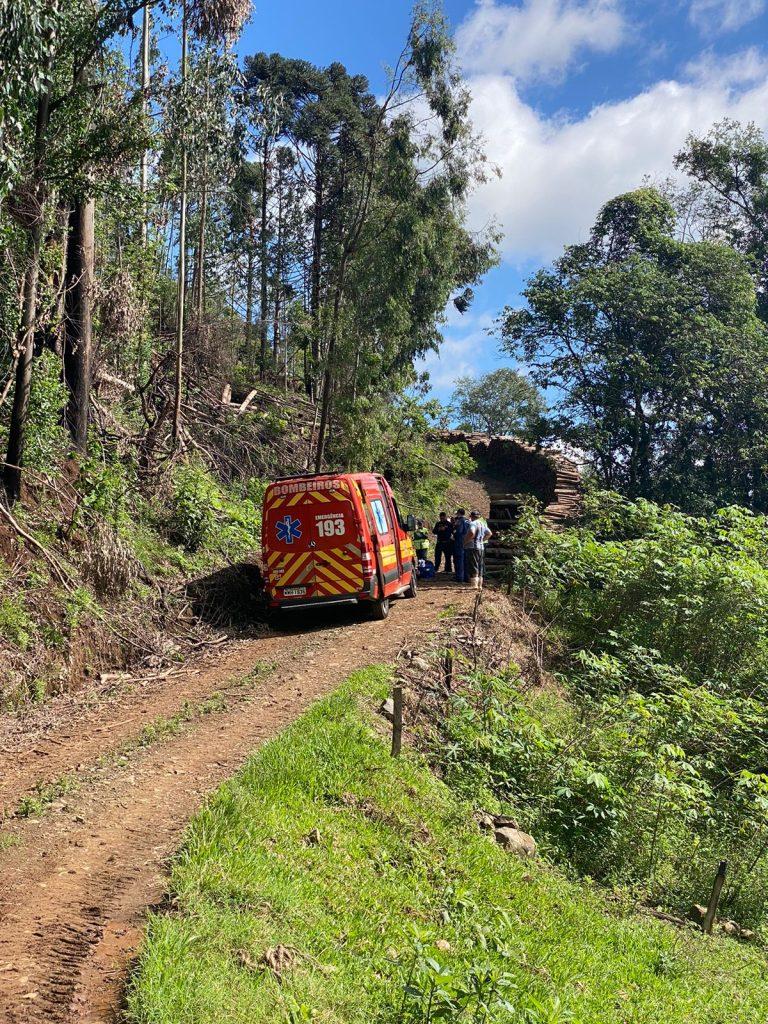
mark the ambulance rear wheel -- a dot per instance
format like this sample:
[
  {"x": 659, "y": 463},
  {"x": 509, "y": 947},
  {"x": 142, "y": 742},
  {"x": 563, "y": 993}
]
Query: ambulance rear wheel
[{"x": 380, "y": 609}]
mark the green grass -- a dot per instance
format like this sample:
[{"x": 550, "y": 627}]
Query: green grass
[
  {"x": 373, "y": 877},
  {"x": 44, "y": 794}
]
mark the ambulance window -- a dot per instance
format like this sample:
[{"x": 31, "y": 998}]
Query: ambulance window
[
  {"x": 380, "y": 516},
  {"x": 398, "y": 514}
]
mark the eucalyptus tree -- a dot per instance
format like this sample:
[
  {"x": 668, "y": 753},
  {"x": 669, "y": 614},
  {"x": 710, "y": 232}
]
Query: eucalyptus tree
[
  {"x": 385, "y": 181},
  {"x": 52, "y": 133},
  {"x": 214, "y": 22}
]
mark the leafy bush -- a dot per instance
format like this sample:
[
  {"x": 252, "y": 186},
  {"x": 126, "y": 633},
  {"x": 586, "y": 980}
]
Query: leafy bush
[
  {"x": 198, "y": 505},
  {"x": 108, "y": 488},
  {"x": 648, "y": 766},
  {"x": 46, "y": 440},
  {"x": 192, "y": 507},
  {"x": 15, "y": 624}
]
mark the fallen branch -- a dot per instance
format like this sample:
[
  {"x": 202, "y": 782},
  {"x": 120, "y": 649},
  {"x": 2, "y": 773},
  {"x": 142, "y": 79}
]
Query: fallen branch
[
  {"x": 247, "y": 402},
  {"x": 50, "y": 559}
]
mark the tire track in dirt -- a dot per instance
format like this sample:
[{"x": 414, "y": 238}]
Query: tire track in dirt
[{"x": 75, "y": 888}]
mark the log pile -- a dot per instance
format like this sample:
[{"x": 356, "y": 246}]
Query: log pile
[{"x": 550, "y": 477}]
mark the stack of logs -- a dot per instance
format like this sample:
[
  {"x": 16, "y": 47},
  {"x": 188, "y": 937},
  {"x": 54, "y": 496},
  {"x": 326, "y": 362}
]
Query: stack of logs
[
  {"x": 550, "y": 477},
  {"x": 505, "y": 509}
]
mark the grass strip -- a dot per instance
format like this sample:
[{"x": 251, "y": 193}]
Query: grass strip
[{"x": 328, "y": 882}]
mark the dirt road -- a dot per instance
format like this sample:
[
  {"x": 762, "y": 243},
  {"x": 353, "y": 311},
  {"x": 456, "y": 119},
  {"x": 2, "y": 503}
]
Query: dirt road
[{"x": 130, "y": 769}]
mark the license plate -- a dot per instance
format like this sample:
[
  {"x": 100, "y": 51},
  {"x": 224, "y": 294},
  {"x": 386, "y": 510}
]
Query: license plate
[{"x": 294, "y": 591}]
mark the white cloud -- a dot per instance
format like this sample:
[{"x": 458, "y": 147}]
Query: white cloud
[
  {"x": 713, "y": 16},
  {"x": 556, "y": 174},
  {"x": 536, "y": 38},
  {"x": 461, "y": 354}
]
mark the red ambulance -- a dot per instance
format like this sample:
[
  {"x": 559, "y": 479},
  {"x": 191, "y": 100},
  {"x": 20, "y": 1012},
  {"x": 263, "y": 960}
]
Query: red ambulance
[{"x": 334, "y": 538}]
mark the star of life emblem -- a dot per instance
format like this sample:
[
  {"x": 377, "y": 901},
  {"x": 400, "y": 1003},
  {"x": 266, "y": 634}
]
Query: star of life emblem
[{"x": 288, "y": 529}]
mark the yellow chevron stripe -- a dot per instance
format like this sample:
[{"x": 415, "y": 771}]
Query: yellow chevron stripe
[
  {"x": 326, "y": 587},
  {"x": 330, "y": 574},
  {"x": 347, "y": 573},
  {"x": 292, "y": 569}
]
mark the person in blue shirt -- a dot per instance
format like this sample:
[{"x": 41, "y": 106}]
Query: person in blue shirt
[
  {"x": 460, "y": 527},
  {"x": 474, "y": 549}
]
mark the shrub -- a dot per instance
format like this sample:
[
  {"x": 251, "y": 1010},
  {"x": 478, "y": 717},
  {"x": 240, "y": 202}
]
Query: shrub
[
  {"x": 108, "y": 489},
  {"x": 198, "y": 504},
  {"x": 15, "y": 624},
  {"x": 46, "y": 439},
  {"x": 195, "y": 498},
  {"x": 648, "y": 766}
]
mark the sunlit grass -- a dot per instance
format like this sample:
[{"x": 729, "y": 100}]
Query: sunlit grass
[{"x": 351, "y": 861}]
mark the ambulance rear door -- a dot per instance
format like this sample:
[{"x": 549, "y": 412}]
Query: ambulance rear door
[
  {"x": 337, "y": 542},
  {"x": 389, "y": 558},
  {"x": 312, "y": 537}
]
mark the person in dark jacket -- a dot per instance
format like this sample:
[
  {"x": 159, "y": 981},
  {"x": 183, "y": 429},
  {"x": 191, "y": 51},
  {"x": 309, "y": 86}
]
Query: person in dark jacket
[
  {"x": 460, "y": 527},
  {"x": 443, "y": 531}
]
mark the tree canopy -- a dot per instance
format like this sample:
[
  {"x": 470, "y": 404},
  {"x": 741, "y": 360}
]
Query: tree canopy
[
  {"x": 659, "y": 355},
  {"x": 499, "y": 403}
]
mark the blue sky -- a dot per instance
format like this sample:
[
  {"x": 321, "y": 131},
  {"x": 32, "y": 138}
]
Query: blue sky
[{"x": 577, "y": 100}]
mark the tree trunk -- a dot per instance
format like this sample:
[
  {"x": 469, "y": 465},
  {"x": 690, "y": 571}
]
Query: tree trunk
[
  {"x": 314, "y": 293},
  {"x": 78, "y": 319},
  {"x": 16, "y": 435},
  {"x": 276, "y": 326},
  {"x": 264, "y": 268},
  {"x": 249, "y": 284},
  {"x": 182, "y": 275},
  {"x": 26, "y": 337},
  {"x": 199, "y": 290},
  {"x": 277, "y": 285},
  {"x": 328, "y": 376},
  {"x": 145, "y": 38}
]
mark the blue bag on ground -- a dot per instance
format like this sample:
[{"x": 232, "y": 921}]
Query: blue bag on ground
[{"x": 425, "y": 569}]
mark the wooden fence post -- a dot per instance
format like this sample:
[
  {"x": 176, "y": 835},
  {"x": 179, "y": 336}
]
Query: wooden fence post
[
  {"x": 714, "y": 899},
  {"x": 449, "y": 668},
  {"x": 397, "y": 720}
]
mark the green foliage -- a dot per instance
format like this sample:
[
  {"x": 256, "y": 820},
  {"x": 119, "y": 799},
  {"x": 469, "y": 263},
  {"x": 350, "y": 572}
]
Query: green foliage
[
  {"x": 47, "y": 441},
  {"x": 649, "y": 766},
  {"x": 77, "y": 605},
  {"x": 43, "y": 795},
  {"x": 435, "y": 991},
  {"x": 728, "y": 197},
  {"x": 16, "y": 626},
  {"x": 658, "y": 356},
  {"x": 395, "y": 908},
  {"x": 204, "y": 514},
  {"x": 195, "y": 496},
  {"x": 391, "y": 433},
  {"x": 108, "y": 489},
  {"x": 501, "y": 402}
]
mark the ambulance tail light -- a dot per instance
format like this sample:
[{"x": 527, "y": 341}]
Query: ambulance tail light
[{"x": 367, "y": 559}]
